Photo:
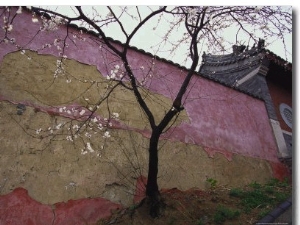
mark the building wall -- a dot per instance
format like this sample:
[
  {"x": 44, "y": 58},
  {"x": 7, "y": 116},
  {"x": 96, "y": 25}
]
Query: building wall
[
  {"x": 222, "y": 133},
  {"x": 280, "y": 95}
]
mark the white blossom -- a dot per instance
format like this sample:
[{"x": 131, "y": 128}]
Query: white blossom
[
  {"x": 192, "y": 11},
  {"x": 52, "y": 24},
  {"x": 75, "y": 127},
  {"x": 258, "y": 8},
  {"x": 5, "y": 19},
  {"x": 100, "y": 127},
  {"x": 109, "y": 14},
  {"x": 47, "y": 46},
  {"x": 69, "y": 138},
  {"x": 83, "y": 152},
  {"x": 81, "y": 112},
  {"x": 115, "y": 115},
  {"x": 113, "y": 73},
  {"x": 19, "y": 11},
  {"x": 88, "y": 135},
  {"x": 58, "y": 126},
  {"x": 106, "y": 134},
  {"x": 35, "y": 20},
  {"x": 56, "y": 41},
  {"x": 95, "y": 120},
  {"x": 9, "y": 27},
  {"x": 89, "y": 147},
  {"x": 38, "y": 131}
]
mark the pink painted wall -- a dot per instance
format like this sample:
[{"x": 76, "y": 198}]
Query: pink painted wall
[{"x": 221, "y": 119}]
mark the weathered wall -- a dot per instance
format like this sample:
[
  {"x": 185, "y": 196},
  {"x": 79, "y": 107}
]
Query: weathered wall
[
  {"x": 222, "y": 133},
  {"x": 58, "y": 171},
  {"x": 238, "y": 120}
]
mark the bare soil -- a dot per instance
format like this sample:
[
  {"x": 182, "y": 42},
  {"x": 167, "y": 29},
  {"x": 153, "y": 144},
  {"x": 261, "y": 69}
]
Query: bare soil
[{"x": 195, "y": 207}]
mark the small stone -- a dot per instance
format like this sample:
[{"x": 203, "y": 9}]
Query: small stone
[
  {"x": 21, "y": 106},
  {"x": 20, "y": 109}
]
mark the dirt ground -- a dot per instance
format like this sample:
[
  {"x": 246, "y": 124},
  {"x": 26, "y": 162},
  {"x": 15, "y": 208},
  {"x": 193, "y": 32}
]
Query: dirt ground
[{"x": 216, "y": 206}]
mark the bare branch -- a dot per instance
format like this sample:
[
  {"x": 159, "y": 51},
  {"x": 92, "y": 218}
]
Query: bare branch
[{"x": 118, "y": 21}]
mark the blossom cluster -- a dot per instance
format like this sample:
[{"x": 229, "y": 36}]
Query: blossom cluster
[
  {"x": 78, "y": 36},
  {"x": 50, "y": 24},
  {"x": 115, "y": 73},
  {"x": 60, "y": 70},
  {"x": 87, "y": 149},
  {"x": 192, "y": 14},
  {"x": 7, "y": 24},
  {"x": 86, "y": 130}
]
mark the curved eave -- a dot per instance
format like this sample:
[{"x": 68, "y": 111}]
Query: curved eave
[
  {"x": 221, "y": 60},
  {"x": 278, "y": 60}
]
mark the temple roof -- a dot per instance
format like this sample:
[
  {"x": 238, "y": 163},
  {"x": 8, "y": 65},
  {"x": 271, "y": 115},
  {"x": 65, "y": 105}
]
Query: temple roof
[{"x": 239, "y": 69}]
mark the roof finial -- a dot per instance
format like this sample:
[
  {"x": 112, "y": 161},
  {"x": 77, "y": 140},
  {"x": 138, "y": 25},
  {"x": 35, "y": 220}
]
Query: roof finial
[
  {"x": 238, "y": 49},
  {"x": 261, "y": 43}
]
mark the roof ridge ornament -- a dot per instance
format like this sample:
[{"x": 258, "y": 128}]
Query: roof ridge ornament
[
  {"x": 237, "y": 49},
  {"x": 261, "y": 43}
]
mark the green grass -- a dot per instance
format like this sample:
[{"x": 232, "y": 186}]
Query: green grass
[
  {"x": 224, "y": 213},
  {"x": 212, "y": 182},
  {"x": 262, "y": 196}
]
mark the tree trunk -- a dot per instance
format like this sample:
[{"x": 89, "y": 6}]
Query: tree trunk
[{"x": 152, "y": 191}]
